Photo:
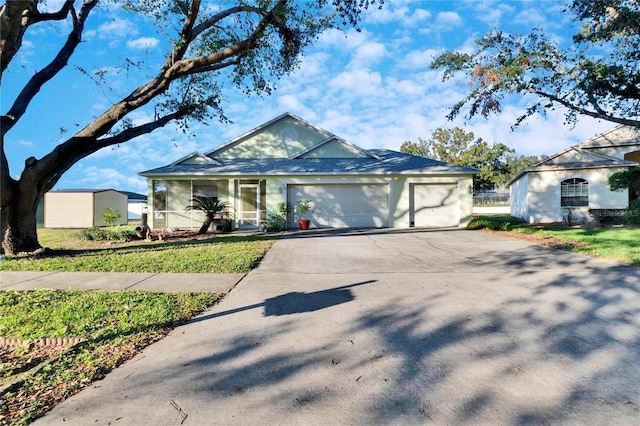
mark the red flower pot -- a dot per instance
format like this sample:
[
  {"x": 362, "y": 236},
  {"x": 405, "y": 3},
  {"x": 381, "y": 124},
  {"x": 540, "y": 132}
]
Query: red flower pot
[{"x": 304, "y": 224}]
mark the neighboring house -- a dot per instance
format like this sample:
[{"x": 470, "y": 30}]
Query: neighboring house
[
  {"x": 136, "y": 205},
  {"x": 577, "y": 179},
  {"x": 82, "y": 208},
  {"x": 289, "y": 159}
]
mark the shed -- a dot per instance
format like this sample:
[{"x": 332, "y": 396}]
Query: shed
[{"x": 82, "y": 208}]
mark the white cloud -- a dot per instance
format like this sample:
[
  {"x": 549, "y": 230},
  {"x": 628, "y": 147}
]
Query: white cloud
[
  {"x": 398, "y": 14},
  {"x": 117, "y": 29},
  {"x": 358, "y": 82},
  {"x": 448, "y": 21},
  {"x": 143, "y": 43}
]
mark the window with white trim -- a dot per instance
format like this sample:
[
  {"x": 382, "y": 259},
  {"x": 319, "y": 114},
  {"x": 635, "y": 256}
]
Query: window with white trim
[{"x": 574, "y": 192}]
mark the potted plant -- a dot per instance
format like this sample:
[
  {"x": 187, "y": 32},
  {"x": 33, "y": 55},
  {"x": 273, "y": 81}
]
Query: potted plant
[
  {"x": 303, "y": 208},
  {"x": 214, "y": 211}
]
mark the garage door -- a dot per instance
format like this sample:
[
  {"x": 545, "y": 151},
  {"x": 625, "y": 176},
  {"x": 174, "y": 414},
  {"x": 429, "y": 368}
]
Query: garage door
[
  {"x": 343, "y": 206},
  {"x": 435, "y": 205}
]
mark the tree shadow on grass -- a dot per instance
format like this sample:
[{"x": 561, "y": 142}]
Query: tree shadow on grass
[{"x": 159, "y": 246}]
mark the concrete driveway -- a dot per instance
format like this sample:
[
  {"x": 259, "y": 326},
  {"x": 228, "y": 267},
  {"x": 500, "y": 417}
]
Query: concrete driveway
[{"x": 404, "y": 327}]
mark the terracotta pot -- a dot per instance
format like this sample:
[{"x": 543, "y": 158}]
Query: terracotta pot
[{"x": 304, "y": 224}]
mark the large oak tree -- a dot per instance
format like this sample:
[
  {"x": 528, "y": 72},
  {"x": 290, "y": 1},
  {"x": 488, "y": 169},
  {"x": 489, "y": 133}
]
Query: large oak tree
[
  {"x": 598, "y": 75},
  {"x": 456, "y": 146},
  {"x": 246, "y": 43}
]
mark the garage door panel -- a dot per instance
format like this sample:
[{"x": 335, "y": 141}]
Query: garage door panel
[
  {"x": 436, "y": 205},
  {"x": 344, "y": 205}
]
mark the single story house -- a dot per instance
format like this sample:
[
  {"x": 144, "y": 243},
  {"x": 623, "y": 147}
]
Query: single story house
[
  {"x": 82, "y": 208},
  {"x": 288, "y": 159},
  {"x": 576, "y": 180}
]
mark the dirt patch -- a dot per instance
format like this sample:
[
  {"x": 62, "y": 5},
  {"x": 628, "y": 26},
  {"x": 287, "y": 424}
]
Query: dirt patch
[{"x": 543, "y": 240}]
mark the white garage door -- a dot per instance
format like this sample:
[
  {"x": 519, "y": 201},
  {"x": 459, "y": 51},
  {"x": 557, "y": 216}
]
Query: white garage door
[
  {"x": 436, "y": 205},
  {"x": 343, "y": 206}
]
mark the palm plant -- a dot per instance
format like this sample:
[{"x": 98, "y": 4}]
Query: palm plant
[{"x": 210, "y": 207}]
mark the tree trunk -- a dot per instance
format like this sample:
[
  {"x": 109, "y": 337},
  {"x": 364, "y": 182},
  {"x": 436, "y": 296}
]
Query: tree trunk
[
  {"x": 18, "y": 223},
  {"x": 205, "y": 225}
]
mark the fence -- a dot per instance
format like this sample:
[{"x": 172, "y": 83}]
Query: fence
[{"x": 491, "y": 198}]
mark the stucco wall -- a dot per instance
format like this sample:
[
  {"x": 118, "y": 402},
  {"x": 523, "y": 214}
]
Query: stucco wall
[
  {"x": 518, "y": 198},
  {"x": 178, "y": 196},
  {"x": 536, "y": 196}
]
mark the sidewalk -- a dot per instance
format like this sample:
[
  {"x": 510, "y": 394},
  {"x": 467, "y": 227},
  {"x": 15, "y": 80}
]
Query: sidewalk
[{"x": 115, "y": 281}]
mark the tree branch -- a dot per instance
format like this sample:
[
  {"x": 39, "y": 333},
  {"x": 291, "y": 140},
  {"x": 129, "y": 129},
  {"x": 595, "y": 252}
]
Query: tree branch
[
  {"x": 143, "y": 129},
  {"x": 15, "y": 18},
  {"x": 160, "y": 84},
  {"x": 39, "y": 79},
  {"x": 602, "y": 115}
]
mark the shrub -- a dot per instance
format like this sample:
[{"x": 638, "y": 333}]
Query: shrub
[
  {"x": 478, "y": 223},
  {"x": 107, "y": 234},
  {"x": 110, "y": 216},
  {"x": 632, "y": 216},
  {"x": 277, "y": 222},
  {"x": 494, "y": 222}
]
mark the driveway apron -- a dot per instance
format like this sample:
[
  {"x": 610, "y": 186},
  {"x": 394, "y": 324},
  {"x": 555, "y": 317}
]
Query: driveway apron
[{"x": 393, "y": 327}]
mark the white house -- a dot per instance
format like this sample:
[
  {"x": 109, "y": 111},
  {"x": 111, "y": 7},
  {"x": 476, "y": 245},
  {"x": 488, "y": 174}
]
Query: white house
[
  {"x": 289, "y": 159},
  {"x": 576, "y": 180}
]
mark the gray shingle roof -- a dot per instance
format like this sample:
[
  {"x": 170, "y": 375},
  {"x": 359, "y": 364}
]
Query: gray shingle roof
[{"x": 389, "y": 162}]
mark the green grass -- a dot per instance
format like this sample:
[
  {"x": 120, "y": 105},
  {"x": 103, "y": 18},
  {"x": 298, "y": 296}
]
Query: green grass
[
  {"x": 621, "y": 244},
  {"x": 116, "y": 325},
  {"x": 220, "y": 254}
]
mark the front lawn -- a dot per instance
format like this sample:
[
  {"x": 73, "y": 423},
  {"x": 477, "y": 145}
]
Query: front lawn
[
  {"x": 57, "y": 342},
  {"x": 65, "y": 340},
  {"x": 621, "y": 244},
  {"x": 186, "y": 252}
]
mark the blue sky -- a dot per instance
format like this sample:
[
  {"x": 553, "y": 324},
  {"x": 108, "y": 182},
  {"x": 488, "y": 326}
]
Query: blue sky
[{"x": 372, "y": 88}]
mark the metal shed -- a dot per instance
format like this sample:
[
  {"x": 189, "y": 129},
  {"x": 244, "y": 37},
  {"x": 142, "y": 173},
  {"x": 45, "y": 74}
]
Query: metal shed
[{"x": 82, "y": 208}]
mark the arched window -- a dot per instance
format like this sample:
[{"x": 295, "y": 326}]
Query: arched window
[{"x": 574, "y": 193}]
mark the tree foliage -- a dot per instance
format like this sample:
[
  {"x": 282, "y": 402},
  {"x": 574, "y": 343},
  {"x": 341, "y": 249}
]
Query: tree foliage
[
  {"x": 246, "y": 44},
  {"x": 628, "y": 179},
  {"x": 515, "y": 164},
  {"x": 455, "y": 146},
  {"x": 597, "y": 76}
]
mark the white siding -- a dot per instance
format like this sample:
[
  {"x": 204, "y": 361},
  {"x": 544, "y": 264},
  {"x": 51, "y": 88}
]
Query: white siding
[
  {"x": 109, "y": 199},
  {"x": 68, "y": 209}
]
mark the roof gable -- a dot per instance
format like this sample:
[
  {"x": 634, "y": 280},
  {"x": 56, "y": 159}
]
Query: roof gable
[
  {"x": 283, "y": 137},
  {"x": 196, "y": 158},
  {"x": 617, "y": 137},
  {"x": 574, "y": 158},
  {"x": 334, "y": 147}
]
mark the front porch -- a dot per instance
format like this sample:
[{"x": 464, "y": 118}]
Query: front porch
[{"x": 247, "y": 199}]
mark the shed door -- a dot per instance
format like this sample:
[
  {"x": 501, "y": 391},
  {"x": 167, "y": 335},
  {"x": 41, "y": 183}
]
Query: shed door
[
  {"x": 343, "y": 205},
  {"x": 435, "y": 205}
]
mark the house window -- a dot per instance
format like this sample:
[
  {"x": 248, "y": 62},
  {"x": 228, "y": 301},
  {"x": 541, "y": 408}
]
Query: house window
[
  {"x": 159, "y": 196},
  {"x": 206, "y": 190},
  {"x": 574, "y": 193},
  {"x": 159, "y": 204}
]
